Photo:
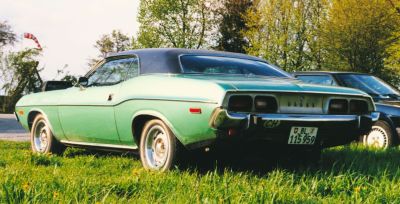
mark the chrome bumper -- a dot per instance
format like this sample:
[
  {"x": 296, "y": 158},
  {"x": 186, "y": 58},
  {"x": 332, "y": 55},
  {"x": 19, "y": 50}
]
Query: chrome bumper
[{"x": 221, "y": 119}]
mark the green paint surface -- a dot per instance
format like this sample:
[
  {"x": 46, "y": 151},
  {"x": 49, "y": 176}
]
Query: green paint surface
[{"x": 105, "y": 114}]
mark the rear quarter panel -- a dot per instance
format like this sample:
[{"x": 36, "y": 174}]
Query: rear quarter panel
[
  {"x": 187, "y": 127},
  {"x": 169, "y": 98}
]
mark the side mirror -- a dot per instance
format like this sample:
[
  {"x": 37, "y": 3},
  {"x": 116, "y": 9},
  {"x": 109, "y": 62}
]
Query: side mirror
[
  {"x": 83, "y": 81},
  {"x": 56, "y": 85}
]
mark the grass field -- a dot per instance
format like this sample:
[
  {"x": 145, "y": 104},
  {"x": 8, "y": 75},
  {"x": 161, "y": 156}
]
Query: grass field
[{"x": 345, "y": 174}]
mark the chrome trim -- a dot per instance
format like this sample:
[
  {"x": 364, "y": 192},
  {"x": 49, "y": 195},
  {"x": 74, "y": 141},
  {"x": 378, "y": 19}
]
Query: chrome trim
[
  {"x": 302, "y": 103},
  {"x": 371, "y": 106},
  {"x": 222, "y": 119},
  {"x": 98, "y": 145},
  {"x": 253, "y": 96},
  {"x": 133, "y": 99},
  {"x": 321, "y": 101},
  {"x": 298, "y": 92},
  {"x": 105, "y": 59}
]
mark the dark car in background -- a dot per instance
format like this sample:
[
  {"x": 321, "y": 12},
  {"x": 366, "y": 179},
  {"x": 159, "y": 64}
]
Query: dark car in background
[{"x": 386, "y": 131}]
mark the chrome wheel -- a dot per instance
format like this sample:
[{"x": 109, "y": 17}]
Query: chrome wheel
[
  {"x": 41, "y": 136},
  {"x": 157, "y": 147},
  {"x": 377, "y": 137}
]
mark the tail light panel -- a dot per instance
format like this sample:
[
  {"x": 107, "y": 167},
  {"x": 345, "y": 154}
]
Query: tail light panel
[
  {"x": 265, "y": 104},
  {"x": 358, "y": 107},
  {"x": 338, "y": 106},
  {"x": 240, "y": 103}
]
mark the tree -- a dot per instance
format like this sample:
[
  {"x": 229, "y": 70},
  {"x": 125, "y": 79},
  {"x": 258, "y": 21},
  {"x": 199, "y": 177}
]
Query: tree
[
  {"x": 395, "y": 4},
  {"x": 20, "y": 73},
  {"x": 171, "y": 23},
  {"x": 65, "y": 75},
  {"x": 232, "y": 25},
  {"x": 7, "y": 36},
  {"x": 114, "y": 42},
  {"x": 285, "y": 32},
  {"x": 392, "y": 62},
  {"x": 357, "y": 34}
]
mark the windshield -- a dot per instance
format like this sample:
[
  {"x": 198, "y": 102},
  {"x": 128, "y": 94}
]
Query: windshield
[
  {"x": 367, "y": 83},
  {"x": 192, "y": 64}
]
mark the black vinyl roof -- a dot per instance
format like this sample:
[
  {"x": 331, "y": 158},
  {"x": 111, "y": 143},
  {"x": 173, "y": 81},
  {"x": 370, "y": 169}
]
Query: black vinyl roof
[{"x": 166, "y": 60}]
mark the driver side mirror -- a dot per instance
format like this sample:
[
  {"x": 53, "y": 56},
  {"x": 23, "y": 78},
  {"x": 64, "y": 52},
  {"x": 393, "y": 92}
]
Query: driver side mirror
[{"x": 83, "y": 81}]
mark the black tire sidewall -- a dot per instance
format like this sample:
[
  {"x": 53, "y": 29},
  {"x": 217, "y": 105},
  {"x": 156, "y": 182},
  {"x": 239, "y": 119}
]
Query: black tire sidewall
[
  {"x": 53, "y": 146},
  {"x": 173, "y": 146},
  {"x": 40, "y": 118}
]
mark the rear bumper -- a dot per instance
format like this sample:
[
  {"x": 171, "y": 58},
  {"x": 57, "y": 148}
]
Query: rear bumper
[{"x": 333, "y": 130}]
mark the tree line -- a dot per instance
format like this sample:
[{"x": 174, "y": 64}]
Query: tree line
[{"x": 297, "y": 35}]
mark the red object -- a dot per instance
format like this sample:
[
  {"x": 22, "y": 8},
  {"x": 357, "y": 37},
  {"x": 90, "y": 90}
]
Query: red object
[
  {"x": 32, "y": 37},
  {"x": 231, "y": 132},
  {"x": 195, "y": 110}
]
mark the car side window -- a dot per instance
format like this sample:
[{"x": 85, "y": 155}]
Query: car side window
[
  {"x": 317, "y": 79},
  {"x": 114, "y": 71}
]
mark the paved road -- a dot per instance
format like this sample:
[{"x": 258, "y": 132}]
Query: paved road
[{"x": 10, "y": 129}]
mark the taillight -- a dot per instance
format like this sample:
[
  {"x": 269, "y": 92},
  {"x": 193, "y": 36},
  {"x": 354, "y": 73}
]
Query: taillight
[
  {"x": 358, "y": 107},
  {"x": 240, "y": 103},
  {"x": 265, "y": 104},
  {"x": 338, "y": 106}
]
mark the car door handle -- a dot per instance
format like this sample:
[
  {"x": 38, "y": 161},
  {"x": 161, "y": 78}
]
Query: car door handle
[{"x": 110, "y": 97}]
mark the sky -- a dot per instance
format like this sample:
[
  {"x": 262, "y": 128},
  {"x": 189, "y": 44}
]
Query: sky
[{"x": 68, "y": 29}]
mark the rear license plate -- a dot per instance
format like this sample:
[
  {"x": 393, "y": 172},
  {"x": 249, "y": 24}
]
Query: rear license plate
[{"x": 303, "y": 135}]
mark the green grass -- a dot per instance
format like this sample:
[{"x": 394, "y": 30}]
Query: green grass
[{"x": 346, "y": 174}]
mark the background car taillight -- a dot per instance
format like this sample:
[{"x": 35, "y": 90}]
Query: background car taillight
[
  {"x": 338, "y": 106},
  {"x": 241, "y": 103},
  {"x": 358, "y": 107},
  {"x": 265, "y": 104}
]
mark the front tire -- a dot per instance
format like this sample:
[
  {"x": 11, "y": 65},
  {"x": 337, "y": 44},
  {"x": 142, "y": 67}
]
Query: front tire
[
  {"x": 380, "y": 136},
  {"x": 159, "y": 148},
  {"x": 42, "y": 138}
]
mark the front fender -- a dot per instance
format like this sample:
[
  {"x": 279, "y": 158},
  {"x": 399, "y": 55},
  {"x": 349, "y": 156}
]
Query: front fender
[{"x": 26, "y": 115}]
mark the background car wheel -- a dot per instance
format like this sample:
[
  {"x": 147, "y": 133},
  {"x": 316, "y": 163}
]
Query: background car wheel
[
  {"x": 42, "y": 139},
  {"x": 380, "y": 136},
  {"x": 159, "y": 148}
]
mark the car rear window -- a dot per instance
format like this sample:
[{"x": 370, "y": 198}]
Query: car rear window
[{"x": 192, "y": 64}]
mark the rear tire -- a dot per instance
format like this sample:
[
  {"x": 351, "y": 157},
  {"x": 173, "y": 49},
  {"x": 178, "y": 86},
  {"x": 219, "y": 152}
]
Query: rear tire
[
  {"x": 159, "y": 148},
  {"x": 42, "y": 138},
  {"x": 380, "y": 136}
]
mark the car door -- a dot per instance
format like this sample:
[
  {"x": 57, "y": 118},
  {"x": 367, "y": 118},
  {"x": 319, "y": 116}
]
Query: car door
[{"x": 87, "y": 113}]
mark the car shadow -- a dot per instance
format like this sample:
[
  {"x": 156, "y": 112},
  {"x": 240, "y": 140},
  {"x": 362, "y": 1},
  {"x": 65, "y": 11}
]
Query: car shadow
[
  {"x": 334, "y": 161},
  {"x": 351, "y": 159}
]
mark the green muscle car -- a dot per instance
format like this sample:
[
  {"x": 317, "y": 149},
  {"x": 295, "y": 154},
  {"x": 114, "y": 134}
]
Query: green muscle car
[{"x": 162, "y": 102}]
